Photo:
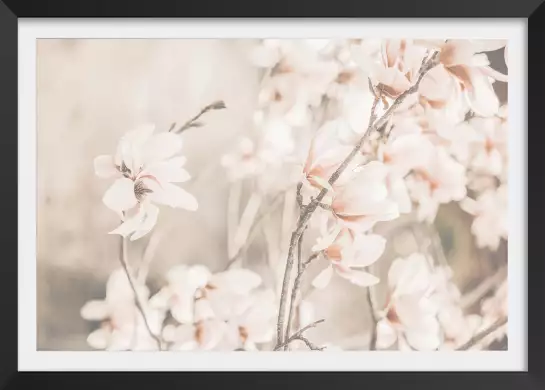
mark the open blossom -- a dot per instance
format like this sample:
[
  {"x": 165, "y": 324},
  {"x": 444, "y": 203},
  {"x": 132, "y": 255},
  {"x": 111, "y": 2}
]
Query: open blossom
[
  {"x": 489, "y": 225},
  {"x": 361, "y": 198},
  {"x": 221, "y": 311},
  {"x": 464, "y": 69},
  {"x": 348, "y": 253},
  {"x": 410, "y": 316},
  {"x": 193, "y": 293},
  {"x": 145, "y": 168},
  {"x": 441, "y": 180},
  {"x": 122, "y": 326},
  {"x": 490, "y": 146},
  {"x": 398, "y": 67}
]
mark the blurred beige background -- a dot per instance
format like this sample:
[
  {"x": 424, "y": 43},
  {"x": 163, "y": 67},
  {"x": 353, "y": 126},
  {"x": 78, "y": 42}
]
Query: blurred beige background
[{"x": 90, "y": 92}]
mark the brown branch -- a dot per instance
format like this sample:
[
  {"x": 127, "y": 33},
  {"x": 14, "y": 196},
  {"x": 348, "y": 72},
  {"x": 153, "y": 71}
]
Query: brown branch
[
  {"x": 125, "y": 264},
  {"x": 371, "y": 300},
  {"x": 481, "y": 335},
  {"x": 307, "y": 212},
  {"x": 299, "y": 336},
  {"x": 472, "y": 297},
  {"x": 218, "y": 105}
]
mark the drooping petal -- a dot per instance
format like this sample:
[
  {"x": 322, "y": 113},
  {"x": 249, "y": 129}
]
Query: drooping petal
[
  {"x": 173, "y": 196},
  {"x": 323, "y": 278},
  {"x": 105, "y": 167},
  {"x": 131, "y": 224},
  {"x": 147, "y": 223},
  {"x": 120, "y": 196},
  {"x": 99, "y": 339},
  {"x": 95, "y": 310},
  {"x": 386, "y": 335},
  {"x": 369, "y": 247},
  {"x": 357, "y": 277}
]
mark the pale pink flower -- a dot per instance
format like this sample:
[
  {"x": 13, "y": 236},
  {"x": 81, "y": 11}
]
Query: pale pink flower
[
  {"x": 204, "y": 335},
  {"x": 464, "y": 68},
  {"x": 145, "y": 168},
  {"x": 490, "y": 146},
  {"x": 348, "y": 253},
  {"x": 441, "y": 180},
  {"x": 410, "y": 316},
  {"x": 122, "y": 325},
  {"x": 489, "y": 225},
  {"x": 361, "y": 198},
  {"x": 193, "y": 293}
]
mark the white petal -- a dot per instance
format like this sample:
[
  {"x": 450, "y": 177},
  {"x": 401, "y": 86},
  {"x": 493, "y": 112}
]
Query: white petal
[
  {"x": 481, "y": 96},
  {"x": 99, "y": 339},
  {"x": 174, "y": 196},
  {"x": 357, "y": 277},
  {"x": 168, "y": 171},
  {"x": 182, "y": 310},
  {"x": 161, "y": 147},
  {"x": 131, "y": 147},
  {"x": 120, "y": 196},
  {"x": 323, "y": 278},
  {"x": 94, "y": 310},
  {"x": 369, "y": 247},
  {"x": 147, "y": 223},
  {"x": 130, "y": 225},
  {"x": 386, "y": 335},
  {"x": 324, "y": 242},
  {"x": 105, "y": 167},
  {"x": 423, "y": 341},
  {"x": 239, "y": 281}
]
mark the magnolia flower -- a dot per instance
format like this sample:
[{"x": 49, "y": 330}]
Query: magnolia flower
[
  {"x": 325, "y": 155},
  {"x": 490, "y": 145},
  {"x": 122, "y": 325},
  {"x": 398, "y": 68},
  {"x": 193, "y": 293},
  {"x": 489, "y": 225},
  {"x": 347, "y": 253},
  {"x": 205, "y": 335},
  {"x": 243, "y": 162},
  {"x": 361, "y": 198},
  {"x": 410, "y": 316},
  {"x": 441, "y": 180},
  {"x": 145, "y": 170},
  {"x": 463, "y": 69}
]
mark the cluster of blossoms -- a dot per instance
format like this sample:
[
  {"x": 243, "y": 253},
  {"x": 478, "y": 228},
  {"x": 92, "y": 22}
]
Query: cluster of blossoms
[{"x": 373, "y": 129}]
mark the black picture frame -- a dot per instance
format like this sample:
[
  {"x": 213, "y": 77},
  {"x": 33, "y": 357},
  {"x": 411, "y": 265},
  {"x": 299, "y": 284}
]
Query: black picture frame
[{"x": 532, "y": 10}]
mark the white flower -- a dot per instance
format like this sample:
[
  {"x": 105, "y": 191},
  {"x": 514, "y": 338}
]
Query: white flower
[
  {"x": 193, "y": 293},
  {"x": 361, "y": 198},
  {"x": 122, "y": 325},
  {"x": 441, "y": 180},
  {"x": 490, "y": 217},
  {"x": 348, "y": 253},
  {"x": 490, "y": 145},
  {"x": 145, "y": 168},
  {"x": 410, "y": 315}
]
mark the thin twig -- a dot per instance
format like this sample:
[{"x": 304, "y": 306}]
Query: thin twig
[
  {"x": 307, "y": 212},
  {"x": 371, "y": 300},
  {"x": 481, "y": 335},
  {"x": 483, "y": 288},
  {"x": 218, "y": 105},
  {"x": 299, "y": 336},
  {"x": 125, "y": 264}
]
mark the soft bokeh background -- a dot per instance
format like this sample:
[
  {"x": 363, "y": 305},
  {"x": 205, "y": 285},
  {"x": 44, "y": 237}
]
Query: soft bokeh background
[{"x": 90, "y": 92}]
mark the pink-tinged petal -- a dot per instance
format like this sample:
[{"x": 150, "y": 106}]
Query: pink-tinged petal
[
  {"x": 147, "y": 222},
  {"x": 386, "y": 335},
  {"x": 99, "y": 339},
  {"x": 456, "y": 52},
  {"x": 323, "y": 278},
  {"x": 478, "y": 90},
  {"x": 95, "y": 310},
  {"x": 357, "y": 277},
  {"x": 105, "y": 167},
  {"x": 495, "y": 74},
  {"x": 203, "y": 310},
  {"x": 325, "y": 241},
  {"x": 369, "y": 248},
  {"x": 161, "y": 147},
  {"x": 120, "y": 196},
  {"x": 173, "y": 196},
  {"x": 238, "y": 281}
]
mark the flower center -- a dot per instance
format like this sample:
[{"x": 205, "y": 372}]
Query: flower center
[{"x": 140, "y": 190}]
